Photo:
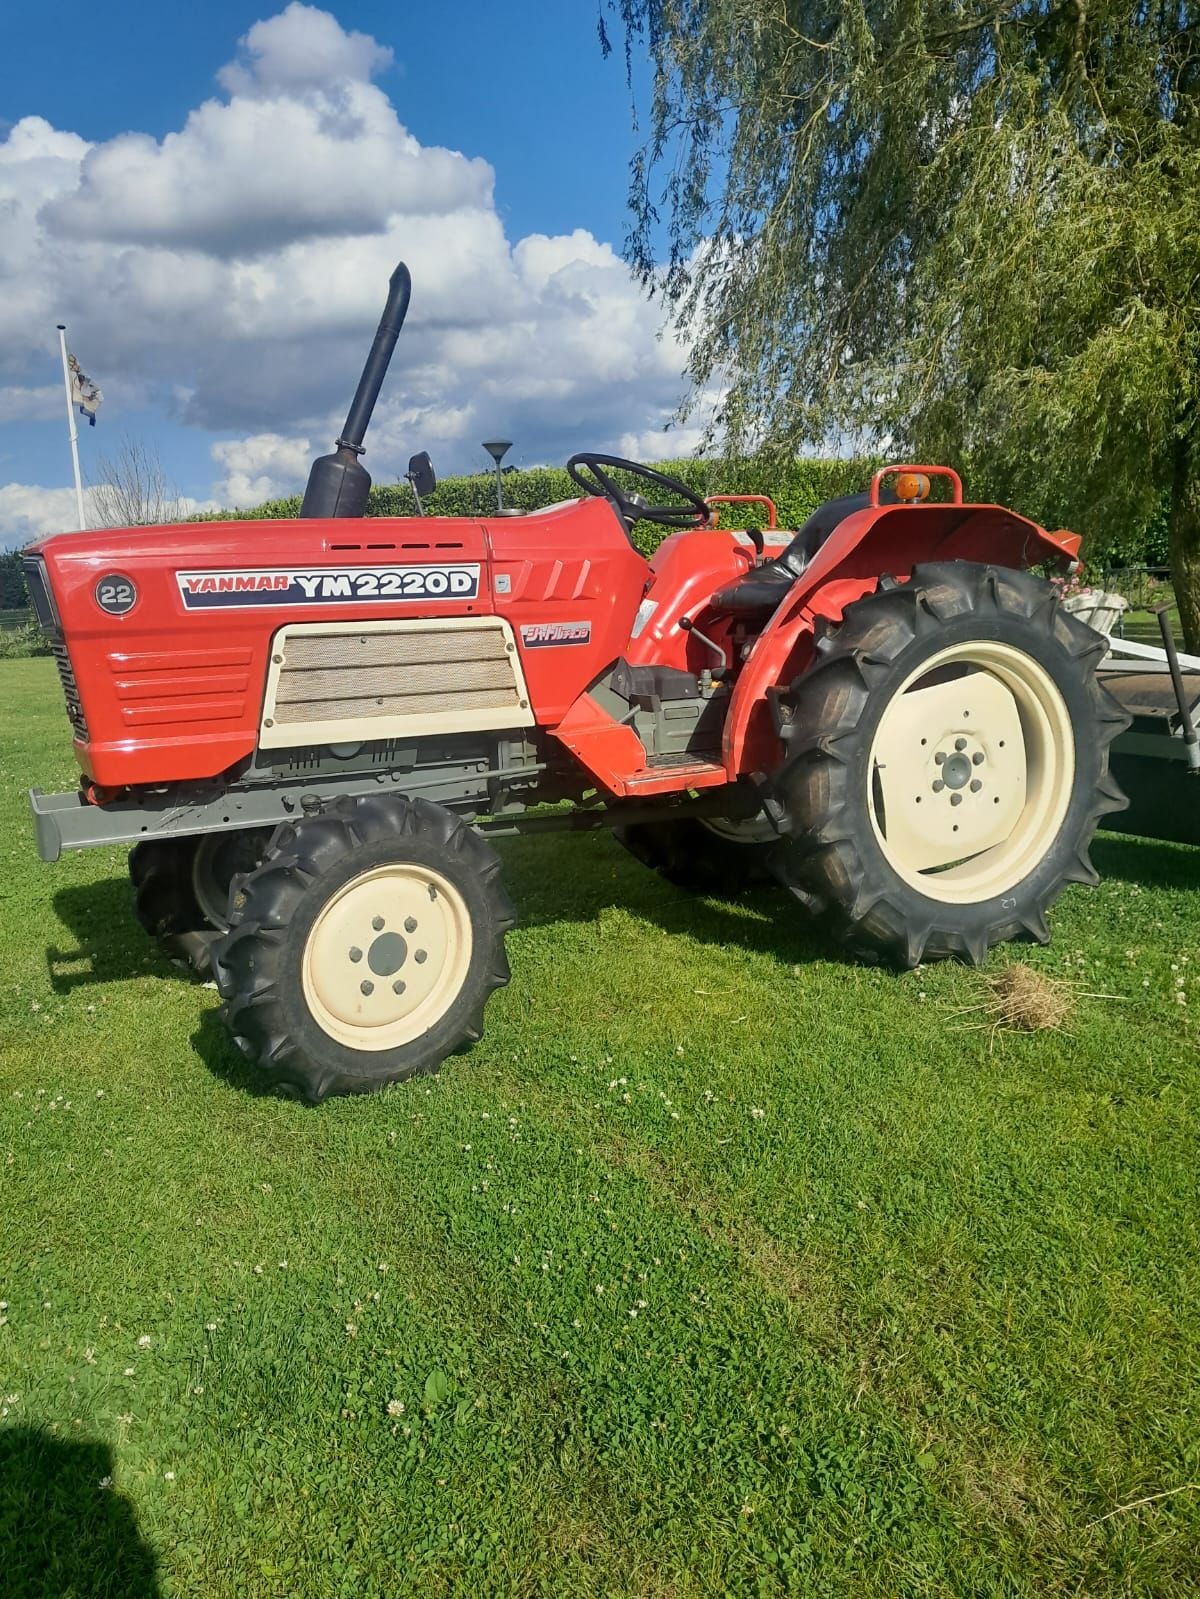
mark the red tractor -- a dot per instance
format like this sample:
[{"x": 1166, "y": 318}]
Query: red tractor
[{"x": 309, "y": 729}]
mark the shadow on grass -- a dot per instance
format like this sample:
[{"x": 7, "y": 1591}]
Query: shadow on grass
[
  {"x": 1146, "y": 861},
  {"x": 593, "y": 874},
  {"x": 565, "y": 879},
  {"x": 551, "y": 881},
  {"x": 109, "y": 943},
  {"x": 214, "y": 1045},
  {"x": 62, "y": 1535}
]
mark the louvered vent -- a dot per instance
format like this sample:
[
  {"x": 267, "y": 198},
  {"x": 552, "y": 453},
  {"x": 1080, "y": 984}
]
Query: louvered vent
[
  {"x": 346, "y": 682},
  {"x": 66, "y": 673}
]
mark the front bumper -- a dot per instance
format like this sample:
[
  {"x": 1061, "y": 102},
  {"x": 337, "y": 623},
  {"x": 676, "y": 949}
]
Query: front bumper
[{"x": 68, "y": 821}]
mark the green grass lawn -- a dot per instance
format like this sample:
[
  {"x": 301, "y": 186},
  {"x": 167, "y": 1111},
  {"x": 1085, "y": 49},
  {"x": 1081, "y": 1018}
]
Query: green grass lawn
[
  {"x": 721, "y": 1266},
  {"x": 1144, "y": 627}
]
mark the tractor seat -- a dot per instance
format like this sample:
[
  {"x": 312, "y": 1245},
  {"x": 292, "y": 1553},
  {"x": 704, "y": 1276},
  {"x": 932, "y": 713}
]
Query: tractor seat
[{"x": 764, "y": 586}]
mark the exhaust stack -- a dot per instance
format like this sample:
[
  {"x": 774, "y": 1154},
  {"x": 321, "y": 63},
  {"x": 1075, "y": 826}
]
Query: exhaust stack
[{"x": 337, "y": 484}]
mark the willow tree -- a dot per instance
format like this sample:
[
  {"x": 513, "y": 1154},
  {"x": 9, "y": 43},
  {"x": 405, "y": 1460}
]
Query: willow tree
[{"x": 960, "y": 229}]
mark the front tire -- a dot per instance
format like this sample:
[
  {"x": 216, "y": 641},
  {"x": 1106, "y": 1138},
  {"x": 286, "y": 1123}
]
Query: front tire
[
  {"x": 364, "y": 947},
  {"x": 948, "y": 763},
  {"x": 181, "y": 889}
]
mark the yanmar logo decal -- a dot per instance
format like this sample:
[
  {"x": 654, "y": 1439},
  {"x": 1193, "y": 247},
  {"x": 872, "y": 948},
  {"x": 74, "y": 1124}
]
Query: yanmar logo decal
[
  {"x": 535, "y": 635},
  {"x": 202, "y": 591}
]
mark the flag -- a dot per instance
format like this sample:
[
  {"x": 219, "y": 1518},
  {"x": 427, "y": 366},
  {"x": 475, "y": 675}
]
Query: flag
[{"x": 84, "y": 392}]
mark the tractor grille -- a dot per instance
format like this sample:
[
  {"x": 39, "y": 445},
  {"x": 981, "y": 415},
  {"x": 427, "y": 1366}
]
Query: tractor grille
[
  {"x": 343, "y": 682},
  {"x": 66, "y": 673}
]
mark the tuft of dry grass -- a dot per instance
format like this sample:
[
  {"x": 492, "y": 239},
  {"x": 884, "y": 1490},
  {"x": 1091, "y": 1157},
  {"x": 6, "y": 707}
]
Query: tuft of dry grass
[
  {"x": 1028, "y": 1001},
  {"x": 1021, "y": 1000}
]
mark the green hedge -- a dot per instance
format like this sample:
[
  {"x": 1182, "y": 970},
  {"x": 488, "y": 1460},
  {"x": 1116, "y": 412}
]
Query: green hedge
[
  {"x": 17, "y": 643},
  {"x": 12, "y": 582},
  {"x": 797, "y": 491}
]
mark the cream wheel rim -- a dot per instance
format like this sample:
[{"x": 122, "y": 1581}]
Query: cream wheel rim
[
  {"x": 387, "y": 956},
  {"x": 971, "y": 771}
]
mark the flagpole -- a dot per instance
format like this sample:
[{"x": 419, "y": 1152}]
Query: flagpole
[{"x": 73, "y": 434}]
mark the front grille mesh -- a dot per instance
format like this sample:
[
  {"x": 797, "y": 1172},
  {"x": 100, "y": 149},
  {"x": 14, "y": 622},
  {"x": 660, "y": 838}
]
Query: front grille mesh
[{"x": 66, "y": 673}]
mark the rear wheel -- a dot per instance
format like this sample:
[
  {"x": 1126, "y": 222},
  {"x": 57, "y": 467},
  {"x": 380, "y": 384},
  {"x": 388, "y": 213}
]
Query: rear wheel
[
  {"x": 181, "y": 888},
  {"x": 364, "y": 947},
  {"x": 708, "y": 855},
  {"x": 948, "y": 762}
]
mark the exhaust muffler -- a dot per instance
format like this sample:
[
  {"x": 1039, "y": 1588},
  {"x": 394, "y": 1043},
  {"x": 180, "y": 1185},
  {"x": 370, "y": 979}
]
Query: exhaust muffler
[{"x": 338, "y": 484}]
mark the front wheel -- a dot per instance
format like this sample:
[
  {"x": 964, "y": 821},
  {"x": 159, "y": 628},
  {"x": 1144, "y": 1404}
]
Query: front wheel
[
  {"x": 364, "y": 947},
  {"x": 948, "y": 762}
]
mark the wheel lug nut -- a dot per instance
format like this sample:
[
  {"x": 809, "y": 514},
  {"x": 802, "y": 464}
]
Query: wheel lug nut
[
  {"x": 940, "y": 757},
  {"x": 956, "y": 799},
  {"x": 377, "y": 924},
  {"x": 977, "y": 758},
  {"x": 356, "y": 954},
  {"x": 420, "y": 957},
  {"x": 410, "y": 924},
  {"x": 399, "y": 986},
  {"x": 976, "y": 785},
  {"x": 366, "y": 987},
  {"x": 960, "y": 743},
  {"x": 938, "y": 785}
]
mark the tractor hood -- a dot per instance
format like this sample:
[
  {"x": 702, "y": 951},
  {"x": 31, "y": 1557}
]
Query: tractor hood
[{"x": 165, "y": 635}]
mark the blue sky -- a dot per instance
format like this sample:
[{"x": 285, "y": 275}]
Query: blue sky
[{"x": 211, "y": 197}]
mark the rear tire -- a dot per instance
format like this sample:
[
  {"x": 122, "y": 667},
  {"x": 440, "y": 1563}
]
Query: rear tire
[
  {"x": 706, "y": 856},
  {"x": 181, "y": 889},
  {"x": 922, "y": 827},
  {"x": 363, "y": 949}
]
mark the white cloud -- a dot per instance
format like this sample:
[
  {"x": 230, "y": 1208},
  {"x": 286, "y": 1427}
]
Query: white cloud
[
  {"x": 302, "y": 48},
  {"x": 660, "y": 444},
  {"x": 235, "y": 270},
  {"x": 297, "y": 152},
  {"x": 29, "y": 511},
  {"x": 264, "y": 467},
  {"x": 22, "y": 404}
]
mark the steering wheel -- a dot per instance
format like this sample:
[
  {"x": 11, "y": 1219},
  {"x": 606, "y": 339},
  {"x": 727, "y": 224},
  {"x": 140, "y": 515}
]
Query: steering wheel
[{"x": 631, "y": 505}]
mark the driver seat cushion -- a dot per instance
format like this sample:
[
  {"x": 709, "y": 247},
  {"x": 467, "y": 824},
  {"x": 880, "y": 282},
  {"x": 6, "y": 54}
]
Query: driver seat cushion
[{"x": 763, "y": 587}]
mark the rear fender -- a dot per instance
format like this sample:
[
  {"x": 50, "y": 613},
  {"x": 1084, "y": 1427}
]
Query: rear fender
[{"x": 875, "y": 540}]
